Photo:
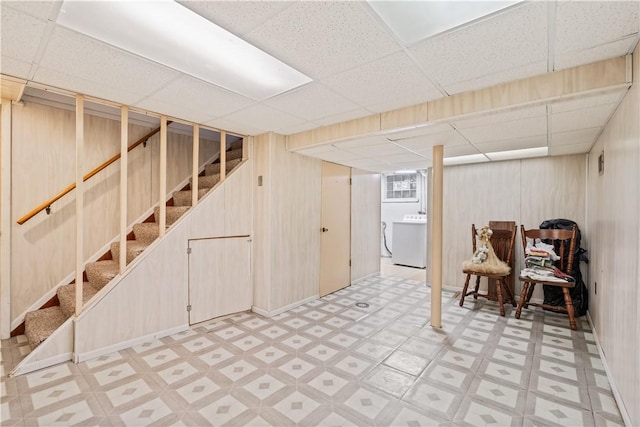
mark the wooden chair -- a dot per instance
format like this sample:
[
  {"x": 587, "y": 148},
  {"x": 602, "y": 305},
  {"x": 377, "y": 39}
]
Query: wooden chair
[
  {"x": 503, "y": 242},
  {"x": 564, "y": 242}
]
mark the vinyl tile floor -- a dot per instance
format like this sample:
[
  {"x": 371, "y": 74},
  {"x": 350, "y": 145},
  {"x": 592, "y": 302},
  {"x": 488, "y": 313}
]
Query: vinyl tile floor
[{"x": 333, "y": 362}]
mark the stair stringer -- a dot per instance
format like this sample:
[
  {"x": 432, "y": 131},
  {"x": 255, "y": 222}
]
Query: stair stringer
[
  {"x": 150, "y": 299},
  {"x": 58, "y": 349}
]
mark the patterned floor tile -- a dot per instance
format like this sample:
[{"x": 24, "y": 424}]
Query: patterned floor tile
[{"x": 329, "y": 362}]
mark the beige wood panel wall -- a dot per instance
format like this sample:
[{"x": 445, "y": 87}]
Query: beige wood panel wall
[
  {"x": 365, "y": 223},
  {"x": 614, "y": 248},
  {"x": 43, "y": 164},
  {"x": 286, "y": 225},
  {"x": 525, "y": 191},
  {"x": 152, "y": 297}
]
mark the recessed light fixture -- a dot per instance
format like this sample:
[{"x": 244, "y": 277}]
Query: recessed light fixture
[
  {"x": 518, "y": 154},
  {"x": 413, "y": 21},
  {"x": 175, "y": 36},
  {"x": 461, "y": 160},
  {"x": 404, "y": 172}
]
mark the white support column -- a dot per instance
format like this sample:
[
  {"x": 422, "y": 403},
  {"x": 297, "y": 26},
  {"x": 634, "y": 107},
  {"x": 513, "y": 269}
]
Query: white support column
[
  {"x": 195, "y": 165},
  {"x": 163, "y": 175},
  {"x": 436, "y": 239},
  {"x": 79, "y": 201},
  {"x": 124, "y": 163},
  {"x": 223, "y": 155},
  {"x": 5, "y": 220}
]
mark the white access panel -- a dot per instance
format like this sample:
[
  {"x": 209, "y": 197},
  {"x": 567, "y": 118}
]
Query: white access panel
[{"x": 410, "y": 243}]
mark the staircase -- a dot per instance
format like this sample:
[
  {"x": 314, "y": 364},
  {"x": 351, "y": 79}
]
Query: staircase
[{"x": 40, "y": 324}]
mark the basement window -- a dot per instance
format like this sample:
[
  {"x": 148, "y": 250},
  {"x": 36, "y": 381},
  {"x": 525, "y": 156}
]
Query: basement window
[{"x": 401, "y": 187}]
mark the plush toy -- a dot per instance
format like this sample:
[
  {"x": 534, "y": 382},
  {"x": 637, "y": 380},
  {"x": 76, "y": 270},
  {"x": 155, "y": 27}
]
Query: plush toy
[{"x": 484, "y": 260}]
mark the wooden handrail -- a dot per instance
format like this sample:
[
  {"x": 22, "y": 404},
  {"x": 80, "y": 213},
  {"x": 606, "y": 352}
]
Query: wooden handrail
[{"x": 71, "y": 187}]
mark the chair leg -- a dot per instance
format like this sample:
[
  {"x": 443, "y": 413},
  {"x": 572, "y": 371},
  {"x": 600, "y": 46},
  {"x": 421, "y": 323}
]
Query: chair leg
[
  {"x": 500, "y": 300},
  {"x": 464, "y": 290},
  {"x": 523, "y": 296},
  {"x": 570, "y": 311},
  {"x": 503, "y": 283},
  {"x": 529, "y": 294},
  {"x": 475, "y": 293}
]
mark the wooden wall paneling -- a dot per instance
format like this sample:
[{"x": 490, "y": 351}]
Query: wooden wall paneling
[
  {"x": 402, "y": 117},
  {"x": 5, "y": 218},
  {"x": 206, "y": 279},
  {"x": 614, "y": 233},
  {"x": 56, "y": 349},
  {"x": 295, "y": 225},
  {"x": 365, "y": 223},
  {"x": 475, "y": 194},
  {"x": 140, "y": 176},
  {"x": 79, "y": 267},
  {"x": 261, "y": 185},
  {"x": 238, "y": 202}
]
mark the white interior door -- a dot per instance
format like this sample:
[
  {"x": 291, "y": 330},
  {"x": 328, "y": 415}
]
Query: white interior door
[
  {"x": 219, "y": 277},
  {"x": 335, "y": 240}
]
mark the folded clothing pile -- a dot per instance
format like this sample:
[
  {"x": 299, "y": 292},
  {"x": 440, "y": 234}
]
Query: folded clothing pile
[{"x": 550, "y": 274}]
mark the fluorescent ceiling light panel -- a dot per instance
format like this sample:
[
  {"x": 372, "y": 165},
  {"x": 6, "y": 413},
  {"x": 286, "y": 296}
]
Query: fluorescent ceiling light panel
[
  {"x": 170, "y": 34},
  {"x": 412, "y": 21},
  {"x": 404, "y": 172},
  {"x": 462, "y": 160},
  {"x": 518, "y": 154}
]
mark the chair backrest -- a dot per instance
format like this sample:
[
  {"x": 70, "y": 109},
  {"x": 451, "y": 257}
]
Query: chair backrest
[
  {"x": 502, "y": 241},
  {"x": 563, "y": 241}
]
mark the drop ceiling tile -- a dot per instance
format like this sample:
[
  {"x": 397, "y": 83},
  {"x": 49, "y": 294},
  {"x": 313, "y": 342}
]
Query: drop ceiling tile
[
  {"x": 234, "y": 127},
  {"x": 76, "y": 55},
  {"x": 20, "y": 34},
  {"x": 368, "y": 164},
  {"x": 290, "y": 130},
  {"x": 363, "y": 142},
  {"x": 37, "y": 9},
  {"x": 195, "y": 100},
  {"x": 588, "y": 102},
  {"x": 597, "y": 53},
  {"x": 483, "y": 48},
  {"x": 517, "y": 73},
  {"x": 421, "y": 131},
  {"x": 337, "y": 156},
  {"x": 343, "y": 117},
  {"x": 77, "y": 84},
  {"x": 508, "y": 130},
  {"x": 582, "y": 25},
  {"x": 226, "y": 13},
  {"x": 370, "y": 86},
  {"x": 414, "y": 165},
  {"x": 318, "y": 149},
  {"x": 562, "y": 150},
  {"x": 264, "y": 118},
  {"x": 513, "y": 144},
  {"x": 322, "y": 38},
  {"x": 504, "y": 117},
  {"x": 376, "y": 150},
  {"x": 311, "y": 102},
  {"x": 427, "y": 142},
  {"x": 581, "y": 119},
  {"x": 574, "y": 137},
  {"x": 14, "y": 67},
  {"x": 403, "y": 158}
]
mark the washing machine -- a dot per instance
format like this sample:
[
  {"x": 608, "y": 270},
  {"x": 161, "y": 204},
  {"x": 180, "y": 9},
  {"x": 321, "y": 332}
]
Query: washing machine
[{"x": 410, "y": 241}]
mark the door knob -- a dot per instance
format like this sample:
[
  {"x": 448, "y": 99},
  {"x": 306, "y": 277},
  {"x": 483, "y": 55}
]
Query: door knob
[{"x": 324, "y": 230}]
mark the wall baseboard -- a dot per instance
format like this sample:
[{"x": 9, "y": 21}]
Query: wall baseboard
[
  {"x": 614, "y": 389},
  {"x": 82, "y": 357},
  {"x": 267, "y": 313}
]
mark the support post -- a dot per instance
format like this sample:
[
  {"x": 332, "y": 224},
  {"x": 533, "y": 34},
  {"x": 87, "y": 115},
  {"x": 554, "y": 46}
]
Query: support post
[
  {"x": 436, "y": 238},
  {"x": 163, "y": 175},
  {"x": 195, "y": 165},
  {"x": 124, "y": 163},
  {"x": 223, "y": 155},
  {"x": 5, "y": 219},
  {"x": 79, "y": 201}
]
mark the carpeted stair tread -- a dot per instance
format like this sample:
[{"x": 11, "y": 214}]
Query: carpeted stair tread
[
  {"x": 146, "y": 232},
  {"x": 67, "y": 297},
  {"x": 233, "y": 155},
  {"x": 214, "y": 168},
  {"x": 39, "y": 324},
  {"x": 183, "y": 198},
  {"x": 235, "y": 145},
  {"x": 173, "y": 213},
  {"x": 208, "y": 181},
  {"x": 134, "y": 248},
  {"x": 100, "y": 273}
]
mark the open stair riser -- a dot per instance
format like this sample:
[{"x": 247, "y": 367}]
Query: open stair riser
[{"x": 40, "y": 324}]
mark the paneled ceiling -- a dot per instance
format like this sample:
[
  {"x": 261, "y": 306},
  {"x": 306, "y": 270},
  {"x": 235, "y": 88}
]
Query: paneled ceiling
[{"x": 358, "y": 67}]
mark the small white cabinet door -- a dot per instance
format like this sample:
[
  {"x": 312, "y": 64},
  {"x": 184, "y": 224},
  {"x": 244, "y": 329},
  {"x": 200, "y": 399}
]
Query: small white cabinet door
[{"x": 219, "y": 277}]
